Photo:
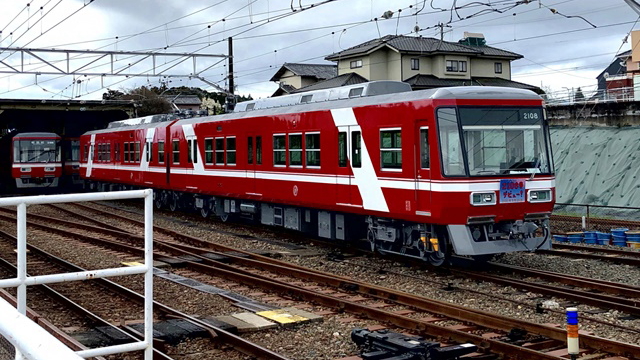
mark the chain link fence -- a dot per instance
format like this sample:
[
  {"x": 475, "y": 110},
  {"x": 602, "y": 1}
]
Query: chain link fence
[{"x": 569, "y": 217}]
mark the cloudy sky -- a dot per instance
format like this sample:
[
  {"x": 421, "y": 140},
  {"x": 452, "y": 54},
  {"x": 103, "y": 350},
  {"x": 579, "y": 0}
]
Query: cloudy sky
[{"x": 561, "y": 47}]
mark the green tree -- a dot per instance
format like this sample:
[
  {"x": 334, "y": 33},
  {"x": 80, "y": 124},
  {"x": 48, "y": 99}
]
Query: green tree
[{"x": 147, "y": 102}]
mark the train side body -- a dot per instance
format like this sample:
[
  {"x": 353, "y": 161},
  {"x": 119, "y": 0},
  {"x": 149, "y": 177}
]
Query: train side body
[{"x": 379, "y": 158}]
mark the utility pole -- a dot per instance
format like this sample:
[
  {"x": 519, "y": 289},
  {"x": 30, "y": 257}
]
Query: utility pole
[{"x": 231, "y": 98}]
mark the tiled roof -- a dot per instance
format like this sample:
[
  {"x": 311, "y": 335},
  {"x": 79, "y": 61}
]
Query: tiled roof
[
  {"x": 425, "y": 45},
  {"x": 183, "y": 99},
  {"x": 419, "y": 82},
  {"x": 342, "y": 80},
  {"x": 318, "y": 71},
  {"x": 283, "y": 89}
]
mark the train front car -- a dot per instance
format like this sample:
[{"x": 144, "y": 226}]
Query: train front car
[
  {"x": 496, "y": 187},
  {"x": 36, "y": 160}
]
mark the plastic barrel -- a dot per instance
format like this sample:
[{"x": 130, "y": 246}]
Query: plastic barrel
[
  {"x": 590, "y": 237},
  {"x": 619, "y": 232},
  {"x": 575, "y": 237},
  {"x": 561, "y": 238},
  {"x": 619, "y": 240},
  {"x": 633, "y": 239},
  {"x": 603, "y": 238}
]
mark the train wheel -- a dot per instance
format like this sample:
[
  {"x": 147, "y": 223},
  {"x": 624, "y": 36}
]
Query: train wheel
[
  {"x": 224, "y": 217},
  {"x": 371, "y": 237},
  {"x": 157, "y": 199},
  {"x": 205, "y": 211},
  {"x": 173, "y": 202}
]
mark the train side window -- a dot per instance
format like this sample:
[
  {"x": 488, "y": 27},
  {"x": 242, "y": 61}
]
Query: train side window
[
  {"x": 208, "y": 151},
  {"x": 356, "y": 151},
  {"x": 219, "y": 151},
  {"x": 109, "y": 152},
  {"x": 279, "y": 150},
  {"x": 176, "y": 151},
  {"x": 117, "y": 152},
  {"x": 424, "y": 148},
  {"x": 295, "y": 149},
  {"x": 137, "y": 147},
  {"x": 231, "y": 150},
  {"x": 258, "y": 150},
  {"x": 161, "y": 152},
  {"x": 126, "y": 152},
  {"x": 342, "y": 149},
  {"x": 312, "y": 149},
  {"x": 189, "y": 151},
  {"x": 391, "y": 148},
  {"x": 249, "y": 150}
]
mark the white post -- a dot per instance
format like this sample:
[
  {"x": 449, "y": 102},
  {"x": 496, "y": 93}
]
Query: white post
[
  {"x": 22, "y": 263},
  {"x": 584, "y": 223},
  {"x": 148, "y": 276}
]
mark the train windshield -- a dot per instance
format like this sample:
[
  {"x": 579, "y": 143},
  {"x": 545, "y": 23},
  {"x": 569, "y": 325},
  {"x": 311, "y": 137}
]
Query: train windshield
[
  {"x": 486, "y": 141},
  {"x": 36, "y": 151}
]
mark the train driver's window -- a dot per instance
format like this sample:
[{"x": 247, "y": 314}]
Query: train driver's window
[
  {"x": 189, "y": 151},
  {"x": 424, "y": 148},
  {"x": 356, "y": 151},
  {"x": 249, "y": 150},
  {"x": 86, "y": 153},
  {"x": 342, "y": 149},
  {"x": 176, "y": 152}
]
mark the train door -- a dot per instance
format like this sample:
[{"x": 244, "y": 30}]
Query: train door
[
  {"x": 192, "y": 154},
  {"x": 423, "y": 169},
  {"x": 253, "y": 142},
  {"x": 349, "y": 157}
]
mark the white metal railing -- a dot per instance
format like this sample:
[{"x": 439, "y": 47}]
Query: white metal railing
[{"x": 14, "y": 330}]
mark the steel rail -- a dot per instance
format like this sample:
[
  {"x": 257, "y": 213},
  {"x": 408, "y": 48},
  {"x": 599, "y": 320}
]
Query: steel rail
[
  {"x": 237, "y": 342},
  {"x": 589, "y": 283},
  {"x": 455, "y": 312},
  {"x": 75, "y": 307}
]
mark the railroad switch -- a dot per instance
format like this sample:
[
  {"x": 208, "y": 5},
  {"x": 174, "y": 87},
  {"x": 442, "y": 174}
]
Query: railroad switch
[{"x": 388, "y": 345}]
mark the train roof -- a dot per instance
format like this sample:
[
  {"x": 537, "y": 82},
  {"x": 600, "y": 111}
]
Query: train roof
[
  {"x": 453, "y": 93},
  {"x": 36, "y": 135}
]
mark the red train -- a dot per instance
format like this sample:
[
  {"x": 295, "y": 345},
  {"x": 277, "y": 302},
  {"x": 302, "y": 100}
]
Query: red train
[
  {"x": 34, "y": 161},
  {"x": 462, "y": 170}
]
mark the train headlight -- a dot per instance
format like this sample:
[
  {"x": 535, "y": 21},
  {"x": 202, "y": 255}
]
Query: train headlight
[
  {"x": 49, "y": 169},
  {"x": 484, "y": 198},
  {"x": 540, "y": 195},
  {"x": 25, "y": 169}
]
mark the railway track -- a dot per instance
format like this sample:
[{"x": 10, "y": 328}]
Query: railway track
[
  {"x": 421, "y": 315},
  {"x": 97, "y": 304}
]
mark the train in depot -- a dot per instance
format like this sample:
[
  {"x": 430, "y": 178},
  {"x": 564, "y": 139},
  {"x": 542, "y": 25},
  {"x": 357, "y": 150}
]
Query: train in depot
[
  {"x": 33, "y": 162},
  {"x": 425, "y": 174}
]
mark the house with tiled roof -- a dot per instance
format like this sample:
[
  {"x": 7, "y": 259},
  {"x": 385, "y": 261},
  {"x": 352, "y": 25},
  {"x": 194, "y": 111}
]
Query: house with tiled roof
[
  {"x": 292, "y": 76},
  {"x": 427, "y": 63},
  {"x": 184, "y": 102}
]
